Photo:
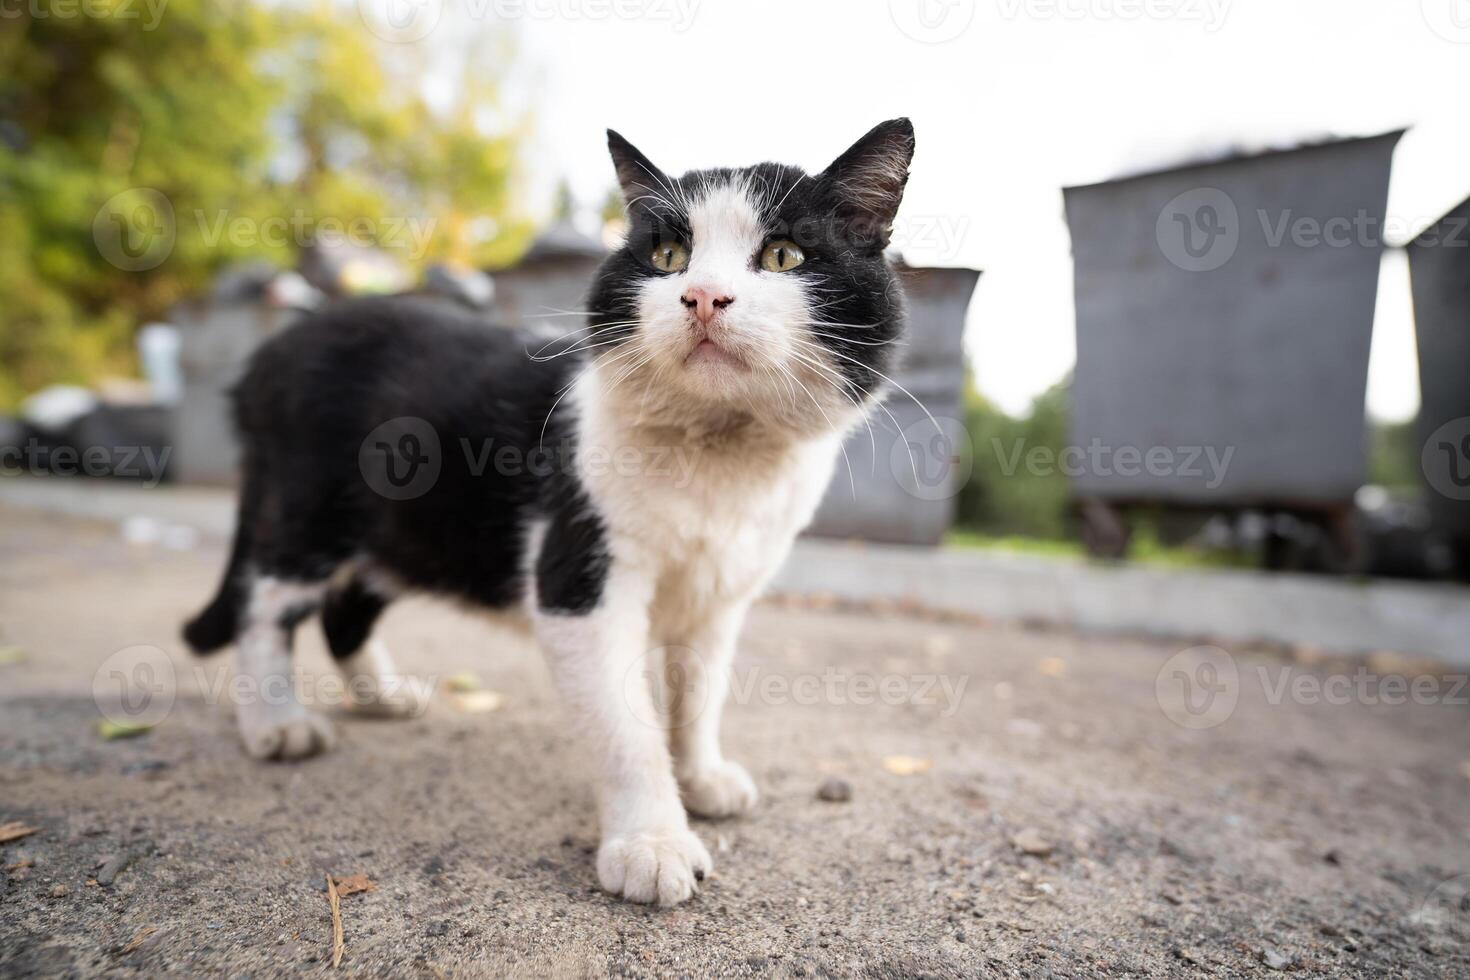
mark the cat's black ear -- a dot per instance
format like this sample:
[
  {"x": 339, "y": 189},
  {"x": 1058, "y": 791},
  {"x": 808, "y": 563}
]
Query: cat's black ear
[
  {"x": 866, "y": 183},
  {"x": 641, "y": 180}
]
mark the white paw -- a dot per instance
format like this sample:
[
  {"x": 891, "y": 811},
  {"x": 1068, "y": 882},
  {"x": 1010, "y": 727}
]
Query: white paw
[
  {"x": 663, "y": 866},
  {"x": 293, "y": 735},
  {"x": 400, "y": 696},
  {"x": 377, "y": 689},
  {"x": 723, "y": 790}
]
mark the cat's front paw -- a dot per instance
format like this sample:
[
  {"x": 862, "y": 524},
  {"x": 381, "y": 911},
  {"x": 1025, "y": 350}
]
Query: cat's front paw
[
  {"x": 663, "y": 866},
  {"x": 723, "y": 790}
]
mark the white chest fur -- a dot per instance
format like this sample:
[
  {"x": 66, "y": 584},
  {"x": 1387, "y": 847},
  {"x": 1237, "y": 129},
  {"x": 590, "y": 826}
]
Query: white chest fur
[{"x": 708, "y": 514}]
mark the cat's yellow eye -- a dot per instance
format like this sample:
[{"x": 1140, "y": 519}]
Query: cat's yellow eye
[
  {"x": 670, "y": 257},
  {"x": 782, "y": 256}
]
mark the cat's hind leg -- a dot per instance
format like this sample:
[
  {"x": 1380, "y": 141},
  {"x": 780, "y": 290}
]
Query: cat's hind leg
[
  {"x": 374, "y": 684},
  {"x": 273, "y": 721}
]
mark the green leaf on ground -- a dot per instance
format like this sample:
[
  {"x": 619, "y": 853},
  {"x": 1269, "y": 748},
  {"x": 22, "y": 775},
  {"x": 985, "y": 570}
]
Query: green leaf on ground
[
  {"x": 113, "y": 730},
  {"x": 464, "y": 682}
]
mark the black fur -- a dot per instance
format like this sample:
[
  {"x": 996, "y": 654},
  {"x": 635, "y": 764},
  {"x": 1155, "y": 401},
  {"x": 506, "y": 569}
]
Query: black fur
[
  {"x": 348, "y": 616},
  {"x": 311, "y": 397},
  {"x": 331, "y": 466}
]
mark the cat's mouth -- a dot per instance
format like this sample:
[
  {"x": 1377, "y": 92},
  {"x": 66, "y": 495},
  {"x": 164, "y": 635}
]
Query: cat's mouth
[{"x": 708, "y": 352}]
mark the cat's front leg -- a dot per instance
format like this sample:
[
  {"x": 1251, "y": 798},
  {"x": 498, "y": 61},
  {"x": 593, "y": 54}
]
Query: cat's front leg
[
  {"x": 710, "y": 784},
  {"x": 598, "y": 658}
]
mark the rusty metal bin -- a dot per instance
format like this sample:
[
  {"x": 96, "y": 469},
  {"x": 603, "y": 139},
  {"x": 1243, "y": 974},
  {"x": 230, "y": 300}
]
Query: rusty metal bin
[
  {"x": 903, "y": 481},
  {"x": 1439, "y": 269},
  {"x": 1227, "y": 308}
]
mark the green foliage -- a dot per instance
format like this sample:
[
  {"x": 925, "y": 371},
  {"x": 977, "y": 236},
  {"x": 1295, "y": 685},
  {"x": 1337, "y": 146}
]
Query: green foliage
[
  {"x": 259, "y": 124},
  {"x": 1013, "y": 488},
  {"x": 1394, "y": 455}
]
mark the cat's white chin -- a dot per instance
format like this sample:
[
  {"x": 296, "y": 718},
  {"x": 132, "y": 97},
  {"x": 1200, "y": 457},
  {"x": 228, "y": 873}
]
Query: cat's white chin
[{"x": 709, "y": 355}]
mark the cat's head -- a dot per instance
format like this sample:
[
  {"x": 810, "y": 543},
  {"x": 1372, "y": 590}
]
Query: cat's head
[{"x": 761, "y": 289}]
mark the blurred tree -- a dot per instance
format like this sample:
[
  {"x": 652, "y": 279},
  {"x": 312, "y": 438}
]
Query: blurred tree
[
  {"x": 1010, "y": 490},
  {"x": 138, "y": 153},
  {"x": 1393, "y": 455}
]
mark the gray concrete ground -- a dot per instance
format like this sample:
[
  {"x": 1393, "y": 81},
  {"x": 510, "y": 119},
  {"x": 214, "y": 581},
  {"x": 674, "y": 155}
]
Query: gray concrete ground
[{"x": 1316, "y": 835}]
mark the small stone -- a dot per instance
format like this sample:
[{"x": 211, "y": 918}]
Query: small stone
[
  {"x": 145, "y": 767},
  {"x": 1275, "y": 959},
  {"x": 60, "y": 891},
  {"x": 1029, "y": 841},
  {"x": 1333, "y": 857},
  {"x": 834, "y": 790},
  {"x": 112, "y": 868}
]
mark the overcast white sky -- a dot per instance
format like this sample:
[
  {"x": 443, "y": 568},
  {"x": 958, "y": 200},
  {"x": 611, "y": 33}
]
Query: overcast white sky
[{"x": 1027, "y": 96}]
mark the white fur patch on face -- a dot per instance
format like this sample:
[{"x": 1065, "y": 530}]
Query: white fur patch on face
[{"x": 766, "y": 356}]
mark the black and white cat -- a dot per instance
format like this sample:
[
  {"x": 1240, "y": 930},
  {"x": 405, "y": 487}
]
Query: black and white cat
[{"x": 743, "y": 328}]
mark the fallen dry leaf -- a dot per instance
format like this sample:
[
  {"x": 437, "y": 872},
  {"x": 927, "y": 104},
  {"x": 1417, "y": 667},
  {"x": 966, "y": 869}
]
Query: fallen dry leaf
[
  {"x": 15, "y": 830},
  {"x": 478, "y": 702},
  {"x": 138, "y": 939},
  {"x": 906, "y": 765},
  {"x": 352, "y": 884},
  {"x": 1052, "y": 666}
]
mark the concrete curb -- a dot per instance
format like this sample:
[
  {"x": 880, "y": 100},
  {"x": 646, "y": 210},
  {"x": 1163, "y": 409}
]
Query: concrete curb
[
  {"x": 1229, "y": 606},
  {"x": 1349, "y": 616}
]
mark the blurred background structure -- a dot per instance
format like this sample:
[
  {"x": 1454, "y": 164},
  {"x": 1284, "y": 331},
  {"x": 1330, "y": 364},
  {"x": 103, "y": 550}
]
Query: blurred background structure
[{"x": 177, "y": 183}]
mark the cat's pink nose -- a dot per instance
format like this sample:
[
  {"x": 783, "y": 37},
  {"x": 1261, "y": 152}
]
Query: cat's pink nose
[{"x": 705, "y": 303}]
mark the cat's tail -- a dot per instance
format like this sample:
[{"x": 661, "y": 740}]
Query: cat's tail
[{"x": 219, "y": 623}]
